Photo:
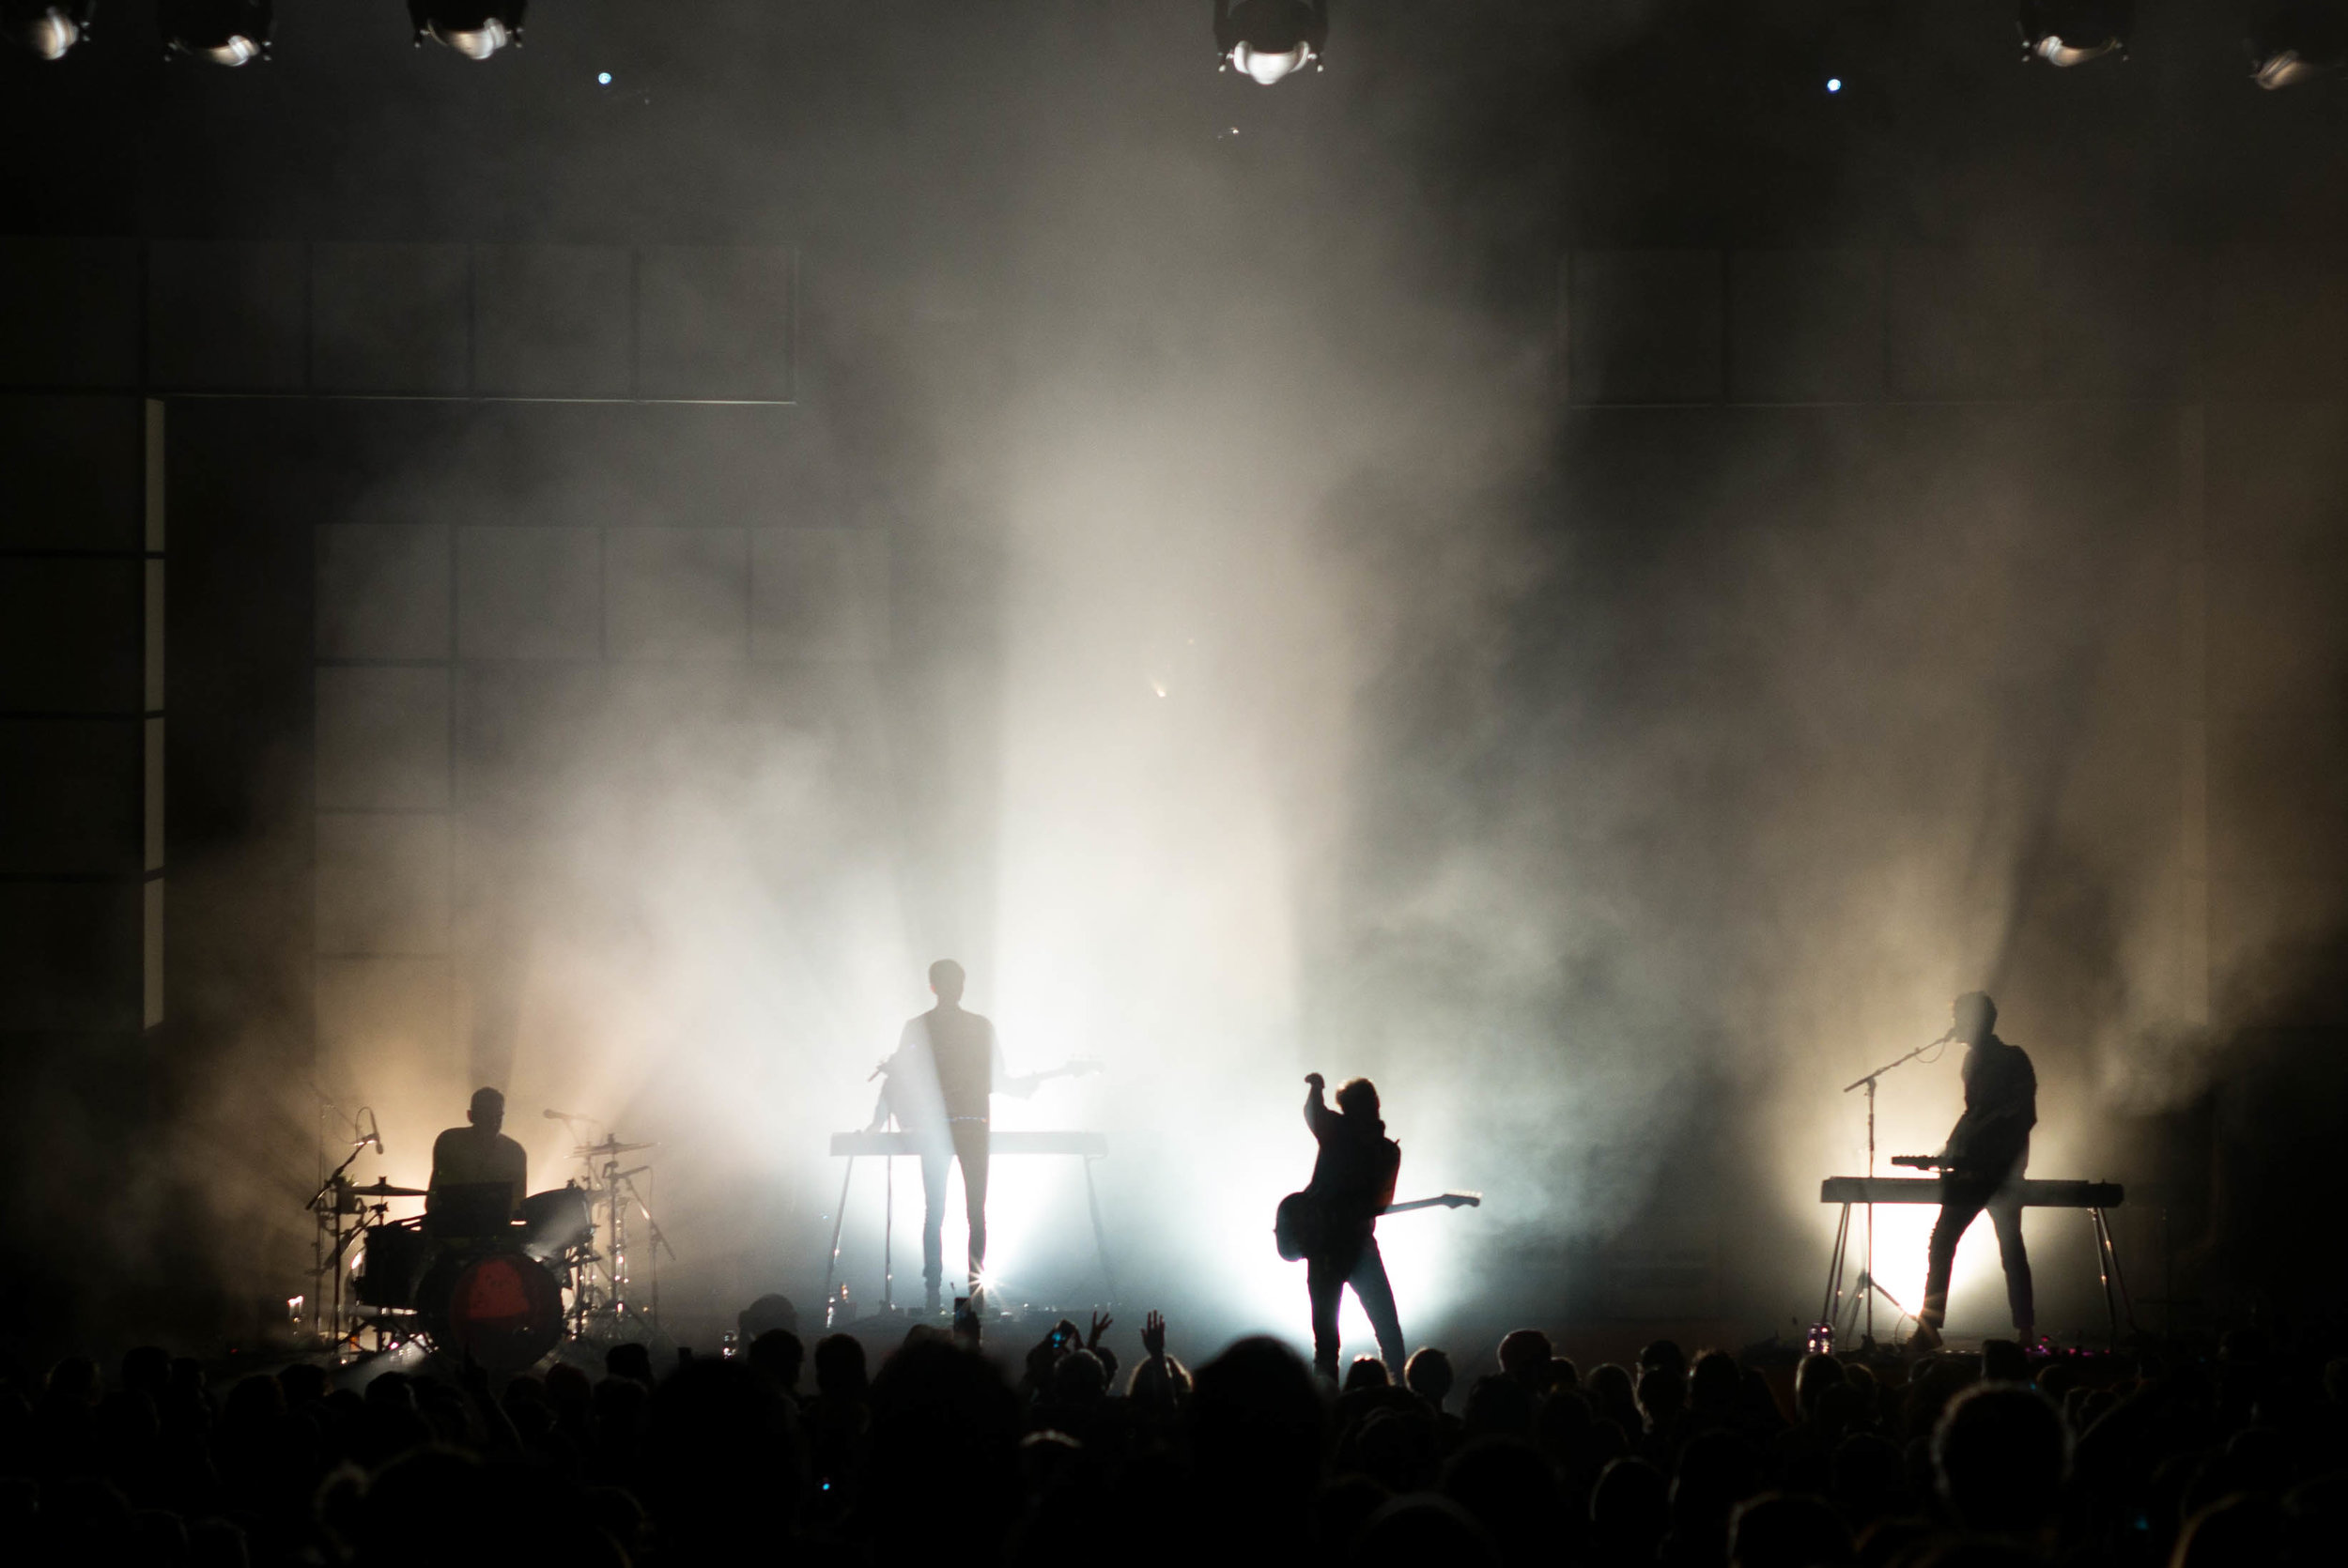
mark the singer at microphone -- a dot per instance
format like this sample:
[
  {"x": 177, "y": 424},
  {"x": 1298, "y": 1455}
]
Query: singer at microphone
[{"x": 1982, "y": 1164}]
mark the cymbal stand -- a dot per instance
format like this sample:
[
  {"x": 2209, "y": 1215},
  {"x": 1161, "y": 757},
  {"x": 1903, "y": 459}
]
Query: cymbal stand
[
  {"x": 329, "y": 1242},
  {"x": 585, "y": 1295},
  {"x": 600, "y": 1296},
  {"x": 657, "y": 1241},
  {"x": 1867, "y": 1268}
]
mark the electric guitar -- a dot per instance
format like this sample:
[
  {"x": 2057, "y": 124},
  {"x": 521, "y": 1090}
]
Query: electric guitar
[
  {"x": 1300, "y": 1225},
  {"x": 1076, "y": 1067}
]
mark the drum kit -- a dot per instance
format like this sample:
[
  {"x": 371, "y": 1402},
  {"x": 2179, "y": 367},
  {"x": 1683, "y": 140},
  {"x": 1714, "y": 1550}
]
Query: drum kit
[{"x": 468, "y": 1280}]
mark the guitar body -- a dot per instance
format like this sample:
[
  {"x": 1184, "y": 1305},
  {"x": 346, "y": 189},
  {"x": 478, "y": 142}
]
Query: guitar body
[{"x": 1298, "y": 1227}]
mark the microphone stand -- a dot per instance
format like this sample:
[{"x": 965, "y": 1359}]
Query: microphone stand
[{"x": 1868, "y": 1084}]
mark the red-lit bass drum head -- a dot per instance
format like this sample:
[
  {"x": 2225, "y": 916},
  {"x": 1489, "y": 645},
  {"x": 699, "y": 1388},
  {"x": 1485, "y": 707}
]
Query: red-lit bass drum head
[{"x": 502, "y": 1308}]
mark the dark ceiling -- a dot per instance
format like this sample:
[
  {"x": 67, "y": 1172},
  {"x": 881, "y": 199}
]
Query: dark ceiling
[{"x": 929, "y": 123}]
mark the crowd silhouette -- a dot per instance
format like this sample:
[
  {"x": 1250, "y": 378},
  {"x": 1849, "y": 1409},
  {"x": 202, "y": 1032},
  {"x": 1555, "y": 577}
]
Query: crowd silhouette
[{"x": 2232, "y": 1452}]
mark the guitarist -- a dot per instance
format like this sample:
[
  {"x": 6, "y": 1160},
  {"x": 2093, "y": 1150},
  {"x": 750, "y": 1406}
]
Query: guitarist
[
  {"x": 1353, "y": 1183},
  {"x": 948, "y": 1067}
]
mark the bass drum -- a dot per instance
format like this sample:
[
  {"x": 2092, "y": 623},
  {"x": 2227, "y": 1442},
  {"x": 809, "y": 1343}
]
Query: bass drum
[
  {"x": 390, "y": 1261},
  {"x": 558, "y": 1220},
  {"x": 502, "y": 1308}
]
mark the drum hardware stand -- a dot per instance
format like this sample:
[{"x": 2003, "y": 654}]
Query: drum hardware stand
[
  {"x": 1832, "y": 1310},
  {"x": 2116, "y": 1298},
  {"x": 597, "y": 1303},
  {"x": 884, "y": 1118},
  {"x": 328, "y": 1241}
]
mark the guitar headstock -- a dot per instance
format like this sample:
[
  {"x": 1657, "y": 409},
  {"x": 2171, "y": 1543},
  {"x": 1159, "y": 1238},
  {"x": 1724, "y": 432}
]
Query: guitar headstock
[
  {"x": 1461, "y": 1200},
  {"x": 1080, "y": 1066}
]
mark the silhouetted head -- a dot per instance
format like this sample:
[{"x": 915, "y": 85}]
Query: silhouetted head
[
  {"x": 1971, "y": 1016},
  {"x": 1359, "y": 1098},
  {"x": 1664, "y": 1355},
  {"x": 1524, "y": 1355},
  {"x": 768, "y": 1312},
  {"x": 488, "y": 1112},
  {"x": 1368, "y": 1372},
  {"x": 1662, "y": 1395},
  {"x": 2000, "y": 1456},
  {"x": 1160, "y": 1385},
  {"x": 840, "y": 1367},
  {"x": 777, "y": 1356},
  {"x": 1817, "y": 1372},
  {"x": 1428, "y": 1373},
  {"x": 630, "y": 1360},
  {"x": 1630, "y": 1510},
  {"x": 1080, "y": 1380},
  {"x": 946, "y": 980},
  {"x": 1714, "y": 1384},
  {"x": 1256, "y": 1426}
]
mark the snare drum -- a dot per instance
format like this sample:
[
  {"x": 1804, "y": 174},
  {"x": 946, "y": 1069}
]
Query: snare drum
[
  {"x": 557, "y": 1221},
  {"x": 390, "y": 1261}
]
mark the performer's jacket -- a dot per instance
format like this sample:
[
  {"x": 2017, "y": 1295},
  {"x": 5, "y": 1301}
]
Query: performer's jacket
[
  {"x": 947, "y": 1063},
  {"x": 1354, "y": 1175},
  {"x": 1991, "y": 1140}
]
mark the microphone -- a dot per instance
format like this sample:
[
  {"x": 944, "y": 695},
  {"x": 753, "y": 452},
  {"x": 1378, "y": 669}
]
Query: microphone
[{"x": 375, "y": 1133}]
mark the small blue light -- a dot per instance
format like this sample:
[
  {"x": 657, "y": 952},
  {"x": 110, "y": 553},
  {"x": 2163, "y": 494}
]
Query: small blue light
[
  {"x": 603, "y": 76},
  {"x": 1833, "y": 83}
]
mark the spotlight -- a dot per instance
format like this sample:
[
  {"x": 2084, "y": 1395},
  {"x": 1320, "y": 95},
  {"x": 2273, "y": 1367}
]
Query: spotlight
[
  {"x": 2302, "y": 38},
  {"x": 226, "y": 31},
  {"x": 48, "y": 29},
  {"x": 474, "y": 30},
  {"x": 1267, "y": 39},
  {"x": 2073, "y": 32}
]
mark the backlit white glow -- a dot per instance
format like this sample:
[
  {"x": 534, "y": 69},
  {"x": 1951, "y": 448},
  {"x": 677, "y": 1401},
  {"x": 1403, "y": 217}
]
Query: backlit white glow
[{"x": 1267, "y": 67}]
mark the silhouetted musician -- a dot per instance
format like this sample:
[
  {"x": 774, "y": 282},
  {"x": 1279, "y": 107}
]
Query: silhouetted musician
[
  {"x": 1354, "y": 1176},
  {"x": 948, "y": 1067},
  {"x": 1982, "y": 1165},
  {"x": 478, "y": 1173}
]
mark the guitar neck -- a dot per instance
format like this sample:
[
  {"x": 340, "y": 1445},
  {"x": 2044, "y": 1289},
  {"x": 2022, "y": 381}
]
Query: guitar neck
[{"x": 1449, "y": 1200}]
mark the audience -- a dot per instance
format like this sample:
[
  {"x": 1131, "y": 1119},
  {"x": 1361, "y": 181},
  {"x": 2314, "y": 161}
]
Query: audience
[{"x": 2182, "y": 1455}]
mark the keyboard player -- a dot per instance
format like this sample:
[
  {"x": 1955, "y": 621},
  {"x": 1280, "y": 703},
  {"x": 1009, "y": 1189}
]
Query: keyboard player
[
  {"x": 948, "y": 1067},
  {"x": 1980, "y": 1166}
]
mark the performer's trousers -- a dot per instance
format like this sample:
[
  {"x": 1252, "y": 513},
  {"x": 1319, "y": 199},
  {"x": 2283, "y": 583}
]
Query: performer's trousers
[
  {"x": 1326, "y": 1277},
  {"x": 963, "y": 1139},
  {"x": 1962, "y": 1201}
]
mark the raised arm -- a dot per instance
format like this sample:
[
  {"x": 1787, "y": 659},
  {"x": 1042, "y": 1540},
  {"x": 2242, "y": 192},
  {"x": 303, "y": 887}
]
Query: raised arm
[{"x": 1317, "y": 1111}]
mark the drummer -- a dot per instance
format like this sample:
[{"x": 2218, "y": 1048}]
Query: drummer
[{"x": 469, "y": 1163}]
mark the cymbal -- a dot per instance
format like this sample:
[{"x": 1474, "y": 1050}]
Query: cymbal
[
  {"x": 385, "y": 1189},
  {"x": 607, "y": 1147}
]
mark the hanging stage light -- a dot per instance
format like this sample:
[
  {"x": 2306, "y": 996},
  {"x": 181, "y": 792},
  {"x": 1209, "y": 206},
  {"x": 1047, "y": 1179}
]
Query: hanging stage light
[
  {"x": 474, "y": 30},
  {"x": 1267, "y": 39},
  {"x": 2073, "y": 32},
  {"x": 226, "y": 31},
  {"x": 2302, "y": 38},
  {"x": 50, "y": 27}
]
